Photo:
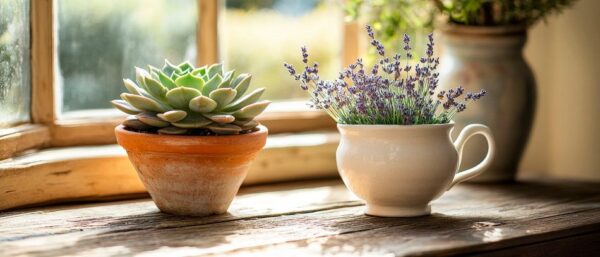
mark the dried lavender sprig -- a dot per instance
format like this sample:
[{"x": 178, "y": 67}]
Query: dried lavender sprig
[{"x": 397, "y": 95}]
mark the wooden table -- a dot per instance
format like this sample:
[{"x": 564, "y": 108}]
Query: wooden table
[{"x": 321, "y": 218}]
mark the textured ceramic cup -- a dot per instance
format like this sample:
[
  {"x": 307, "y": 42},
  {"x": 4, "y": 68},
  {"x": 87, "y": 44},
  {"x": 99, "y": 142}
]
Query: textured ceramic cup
[
  {"x": 398, "y": 170},
  {"x": 192, "y": 175}
]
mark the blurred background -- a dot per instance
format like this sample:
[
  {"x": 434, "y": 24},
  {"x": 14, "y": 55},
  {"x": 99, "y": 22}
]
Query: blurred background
[
  {"x": 99, "y": 42},
  {"x": 563, "y": 52}
]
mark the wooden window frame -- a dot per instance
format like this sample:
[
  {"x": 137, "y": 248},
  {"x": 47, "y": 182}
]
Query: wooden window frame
[
  {"x": 50, "y": 130},
  {"x": 49, "y": 145}
]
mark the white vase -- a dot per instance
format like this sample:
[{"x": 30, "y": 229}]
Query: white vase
[{"x": 398, "y": 170}]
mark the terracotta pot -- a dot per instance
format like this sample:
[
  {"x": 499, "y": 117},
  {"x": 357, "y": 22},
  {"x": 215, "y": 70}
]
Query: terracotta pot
[
  {"x": 398, "y": 170},
  {"x": 191, "y": 175},
  {"x": 491, "y": 58}
]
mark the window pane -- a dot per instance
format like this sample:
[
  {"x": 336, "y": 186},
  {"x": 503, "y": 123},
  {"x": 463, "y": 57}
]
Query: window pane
[
  {"x": 100, "y": 42},
  {"x": 258, "y": 36},
  {"x": 15, "y": 85}
]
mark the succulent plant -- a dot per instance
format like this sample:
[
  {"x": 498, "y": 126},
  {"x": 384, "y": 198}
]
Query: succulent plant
[{"x": 182, "y": 99}]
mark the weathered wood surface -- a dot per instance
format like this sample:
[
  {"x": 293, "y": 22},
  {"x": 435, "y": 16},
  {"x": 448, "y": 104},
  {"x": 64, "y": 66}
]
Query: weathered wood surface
[{"x": 321, "y": 218}]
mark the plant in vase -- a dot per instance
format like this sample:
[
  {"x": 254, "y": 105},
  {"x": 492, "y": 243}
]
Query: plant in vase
[
  {"x": 395, "y": 151},
  {"x": 192, "y": 134},
  {"x": 483, "y": 42}
]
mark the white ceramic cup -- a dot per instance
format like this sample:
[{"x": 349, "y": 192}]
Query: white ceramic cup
[{"x": 398, "y": 170}]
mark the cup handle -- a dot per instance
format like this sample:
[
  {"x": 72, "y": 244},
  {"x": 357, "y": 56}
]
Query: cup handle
[{"x": 464, "y": 135}]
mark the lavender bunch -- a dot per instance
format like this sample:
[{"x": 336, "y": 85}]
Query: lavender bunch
[{"x": 392, "y": 91}]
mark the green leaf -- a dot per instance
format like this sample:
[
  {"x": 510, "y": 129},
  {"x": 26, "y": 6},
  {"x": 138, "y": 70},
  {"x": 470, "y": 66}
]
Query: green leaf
[
  {"x": 200, "y": 72},
  {"x": 224, "y": 84},
  {"x": 215, "y": 69},
  {"x": 172, "y": 131},
  {"x": 154, "y": 71},
  {"x": 143, "y": 103},
  {"x": 155, "y": 88},
  {"x": 228, "y": 75},
  {"x": 152, "y": 120},
  {"x": 166, "y": 81},
  {"x": 140, "y": 74},
  {"x": 136, "y": 90},
  {"x": 131, "y": 86},
  {"x": 241, "y": 84},
  {"x": 185, "y": 66},
  {"x": 252, "y": 110},
  {"x": 223, "y": 96},
  {"x": 246, "y": 100},
  {"x": 220, "y": 118},
  {"x": 246, "y": 124},
  {"x": 132, "y": 122},
  {"x": 189, "y": 80},
  {"x": 173, "y": 116},
  {"x": 202, "y": 104},
  {"x": 212, "y": 84},
  {"x": 124, "y": 107},
  {"x": 180, "y": 97},
  {"x": 224, "y": 129},
  {"x": 170, "y": 69},
  {"x": 174, "y": 76},
  {"x": 192, "y": 121},
  {"x": 227, "y": 78}
]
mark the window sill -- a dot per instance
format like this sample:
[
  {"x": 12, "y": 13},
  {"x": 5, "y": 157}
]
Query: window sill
[
  {"x": 104, "y": 172},
  {"x": 94, "y": 127},
  {"x": 21, "y": 138}
]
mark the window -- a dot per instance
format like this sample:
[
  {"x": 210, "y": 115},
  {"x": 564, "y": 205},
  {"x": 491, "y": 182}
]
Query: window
[
  {"x": 15, "y": 85},
  {"x": 100, "y": 43},
  {"x": 258, "y": 36},
  {"x": 62, "y": 61}
]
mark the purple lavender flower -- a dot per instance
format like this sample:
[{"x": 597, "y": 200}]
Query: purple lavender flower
[
  {"x": 304, "y": 54},
  {"x": 397, "y": 95}
]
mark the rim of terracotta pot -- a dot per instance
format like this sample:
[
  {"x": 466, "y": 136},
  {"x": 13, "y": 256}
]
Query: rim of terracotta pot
[
  {"x": 484, "y": 31},
  {"x": 186, "y": 144},
  {"x": 389, "y": 126}
]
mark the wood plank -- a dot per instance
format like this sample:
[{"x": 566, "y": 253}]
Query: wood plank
[
  {"x": 439, "y": 235},
  {"x": 469, "y": 218},
  {"x": 351, "y": 49},
  {"x": 42, "y": 62},
  {"x": 24, "y": 137},
  {"x": 100, "y": 217},
  {"x": 207, "y": 36},
  {"x": 503, "y": 217},
  {"x": 579, "y": 245},
  {"x": 89, "y": 173}
]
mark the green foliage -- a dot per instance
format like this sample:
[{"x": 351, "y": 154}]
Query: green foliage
[
  {"x": 182, "y": 99},
  {"x": 499, "y": 12},
  {"x": 389, "y": 17}
]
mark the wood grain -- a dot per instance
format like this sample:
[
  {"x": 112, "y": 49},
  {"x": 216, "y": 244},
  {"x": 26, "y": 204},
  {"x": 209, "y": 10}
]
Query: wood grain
[
  {"x": 42, "y": 62},
  {"x": 315, "y": 219},
  {"x": 207, "y": 36},
  {"x": 24, "y": 137}
]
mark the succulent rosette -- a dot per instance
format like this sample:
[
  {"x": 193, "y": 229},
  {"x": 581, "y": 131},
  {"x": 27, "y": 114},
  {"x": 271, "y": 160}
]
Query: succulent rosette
[{"x": 182, "y": 99}]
